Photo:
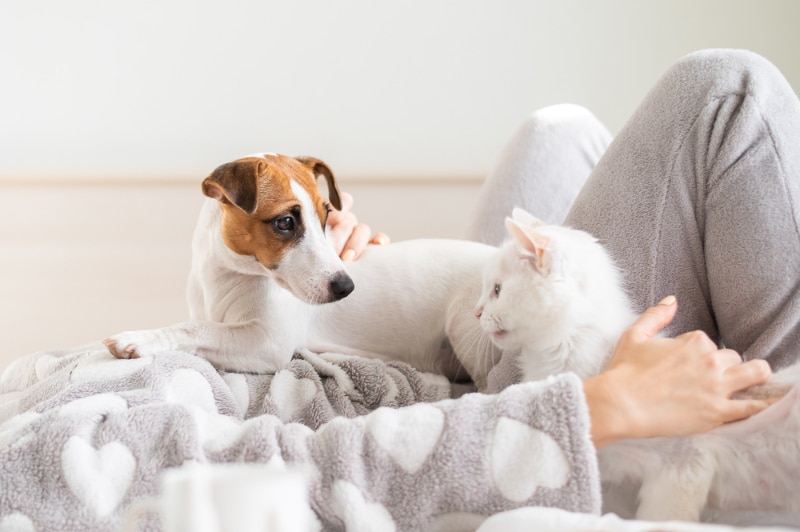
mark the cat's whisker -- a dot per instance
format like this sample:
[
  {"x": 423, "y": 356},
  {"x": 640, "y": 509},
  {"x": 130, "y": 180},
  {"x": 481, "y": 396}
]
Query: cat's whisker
[{"x": 477, "y": 343}]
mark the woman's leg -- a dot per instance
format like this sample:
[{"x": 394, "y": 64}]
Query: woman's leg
[
  {"x": 542, "y": 169},
  {"x": 699, "y": 196}
]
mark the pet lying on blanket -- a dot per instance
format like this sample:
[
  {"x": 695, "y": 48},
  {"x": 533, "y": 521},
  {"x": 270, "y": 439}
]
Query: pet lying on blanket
[
  {"x": 553, "y": 294},
  {"x": 265, "y": 281}
]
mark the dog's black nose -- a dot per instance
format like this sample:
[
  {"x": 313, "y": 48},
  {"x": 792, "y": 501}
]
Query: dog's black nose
[{"x": 341, "y": 285}]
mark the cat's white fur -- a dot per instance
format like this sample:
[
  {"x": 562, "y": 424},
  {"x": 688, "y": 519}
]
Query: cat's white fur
[{"x": 553, "y": 294}]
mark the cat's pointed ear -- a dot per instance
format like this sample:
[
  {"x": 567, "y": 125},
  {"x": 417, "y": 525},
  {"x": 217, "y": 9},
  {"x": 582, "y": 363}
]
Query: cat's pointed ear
[
  {"x": 534, "y": 245},
  {"x": 523, "y": 217}
]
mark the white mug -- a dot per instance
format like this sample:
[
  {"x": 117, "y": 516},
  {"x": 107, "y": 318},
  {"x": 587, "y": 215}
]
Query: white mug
[{"x": 229, "y": 498}]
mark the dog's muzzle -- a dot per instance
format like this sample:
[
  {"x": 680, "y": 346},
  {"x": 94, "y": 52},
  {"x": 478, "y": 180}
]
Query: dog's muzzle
[{"x": 340, "y": 286}]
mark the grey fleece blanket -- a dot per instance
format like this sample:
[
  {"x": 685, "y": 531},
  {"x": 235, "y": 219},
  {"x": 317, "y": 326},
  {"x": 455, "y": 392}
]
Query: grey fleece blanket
[{"x": 83, "y": 436}]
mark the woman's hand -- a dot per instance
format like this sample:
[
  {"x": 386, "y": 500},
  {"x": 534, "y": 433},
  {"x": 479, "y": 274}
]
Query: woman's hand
[
  {"x": 349, "y": 237},
  {"x": 669, "y": 386}
]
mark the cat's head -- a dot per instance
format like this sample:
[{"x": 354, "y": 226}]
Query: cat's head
[{"x": 533, "y": 286}]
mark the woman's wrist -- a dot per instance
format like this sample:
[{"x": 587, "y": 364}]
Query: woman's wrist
[{"x": 610, "y": 418}]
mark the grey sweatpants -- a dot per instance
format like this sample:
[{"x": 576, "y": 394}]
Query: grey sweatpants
[{"x": 697, "y": 196}]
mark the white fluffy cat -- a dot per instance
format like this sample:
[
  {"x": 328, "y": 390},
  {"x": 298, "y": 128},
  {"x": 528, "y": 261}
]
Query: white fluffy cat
[{"x": 553, "y": 294}]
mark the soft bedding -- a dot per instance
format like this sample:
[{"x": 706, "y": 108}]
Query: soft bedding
[{"x": 84, "y": 436}]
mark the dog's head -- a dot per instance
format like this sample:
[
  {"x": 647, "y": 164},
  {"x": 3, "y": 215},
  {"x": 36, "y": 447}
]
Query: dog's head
[{"x": 272, "y": 210}]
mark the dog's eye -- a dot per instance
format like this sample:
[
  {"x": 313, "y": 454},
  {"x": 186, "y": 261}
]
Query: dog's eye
[
  {"x": 284, "y": 225},
  {"x": 497, "y": 288}
]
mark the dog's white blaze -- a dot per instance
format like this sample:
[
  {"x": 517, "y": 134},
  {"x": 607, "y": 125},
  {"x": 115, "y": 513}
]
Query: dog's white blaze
[
  {"x": 313, "y": 225},
  {"x": 313, "y": 261}
]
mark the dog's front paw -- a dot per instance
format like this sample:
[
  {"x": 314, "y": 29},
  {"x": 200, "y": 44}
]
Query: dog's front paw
[{"x": 134, "y": 344}]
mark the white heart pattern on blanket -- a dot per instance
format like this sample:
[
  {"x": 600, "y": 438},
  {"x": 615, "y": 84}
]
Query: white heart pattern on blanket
[
  {"x": 97, "y": 406},
  {"x": 100, "y": 365},
  {"x": 189, "y": 387},
  {"x": 98, "y": 477},
  {"x": 240, "y": 390},
  {"x": 11, "y": 430},
  {"x": 46, "y": 365},
  {"x": 216, "y": 432},
  {"x": 17, "y": 522},
  {"x": 359, "y": 515},
  {"x": 408, "y": 435},
  {"x": 290, "y": 394},
  {"x": 524, "y": 458}
]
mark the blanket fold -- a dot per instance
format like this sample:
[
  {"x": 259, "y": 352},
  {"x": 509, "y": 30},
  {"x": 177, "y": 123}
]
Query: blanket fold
[{"x": 83, "y": 436}]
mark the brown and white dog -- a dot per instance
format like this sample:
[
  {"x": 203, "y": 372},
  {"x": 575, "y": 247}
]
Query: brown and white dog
[{"x": 262, "y": 268}]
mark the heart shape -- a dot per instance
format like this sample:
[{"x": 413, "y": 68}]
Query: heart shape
[
  {"x": 10, "y": 431},
  {"x": 46, "y": 365},
  {"x": 240, "y": 390},
  {"x": 291, "y": 395},
  {"x": 524, "y": 458},
  {"x": 216, "y": 432},
  {"x": 96, "y": 406},
  {"x": 98, "y": 477},
  {"x": 408, "y": 435},
  {"x": 17, "y": 522},
  {"x": 99, "y": 365},
  {"x": 357, "y": 514},
  {"x": 189, "y": 387}
]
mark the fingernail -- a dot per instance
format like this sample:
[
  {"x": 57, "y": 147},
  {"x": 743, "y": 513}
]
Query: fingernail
[
  {"x": 348, "y": 255},
  {"x": 667, "y": 301},
  {"x": 382, "y": 240}
]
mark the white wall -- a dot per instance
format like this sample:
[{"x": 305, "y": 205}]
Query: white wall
[{"x": 376, "y": 88}]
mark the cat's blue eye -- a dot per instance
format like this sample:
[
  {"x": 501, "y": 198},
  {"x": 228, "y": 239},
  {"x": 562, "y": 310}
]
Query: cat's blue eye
[{"x": 497, "y": 288}]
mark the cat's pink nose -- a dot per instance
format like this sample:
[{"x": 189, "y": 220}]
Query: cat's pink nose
[{"x": 478, "y": 312}]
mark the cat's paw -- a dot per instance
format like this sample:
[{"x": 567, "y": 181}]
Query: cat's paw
[{"x": 132, "y": 344}]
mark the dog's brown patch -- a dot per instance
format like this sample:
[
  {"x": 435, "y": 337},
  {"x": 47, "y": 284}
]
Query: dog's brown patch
[{"x": 255, "y": 194}]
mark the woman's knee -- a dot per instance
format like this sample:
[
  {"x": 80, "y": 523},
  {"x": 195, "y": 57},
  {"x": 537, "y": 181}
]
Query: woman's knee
[
  {"x": 714, "y": 60},
  {"x": 724, "y": 71},
  {"x": 566, "y": 119}
]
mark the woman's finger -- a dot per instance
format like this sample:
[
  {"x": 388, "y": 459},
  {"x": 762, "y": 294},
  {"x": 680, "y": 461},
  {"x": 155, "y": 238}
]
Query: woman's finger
[
  {"x": 335, "y": 217},
  {"x": 738, "y": 409},
  {"x": 356, "y": 243},
  {"x": 379, "y": 239},
  {"x": 729, "y": 358},
  {"x": 341, "y": 231},
  {"x": 347, "y": 202},
  {"x": 653, "y": 320},
  {"x": 750, "y": 373}
]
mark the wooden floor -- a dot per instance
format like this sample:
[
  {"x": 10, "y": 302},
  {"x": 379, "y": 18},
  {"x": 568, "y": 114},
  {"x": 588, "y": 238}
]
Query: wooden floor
[{"x": 81, "y": 261}]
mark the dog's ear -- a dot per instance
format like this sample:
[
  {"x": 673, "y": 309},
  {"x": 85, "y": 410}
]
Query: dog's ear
[
  {"x": 321, "y": 169},
  {"x": 236, "y": 183}
]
